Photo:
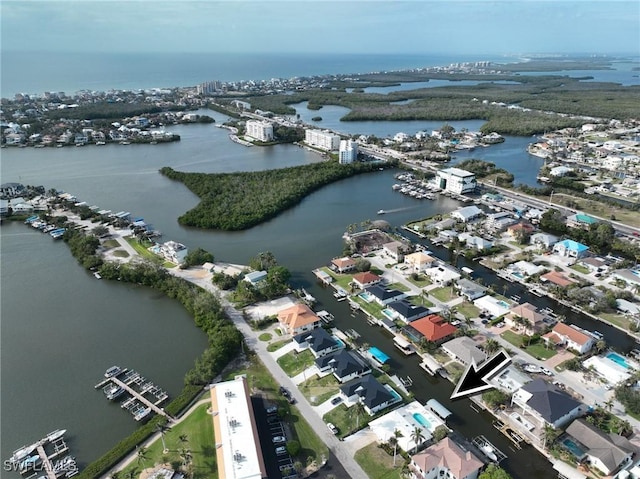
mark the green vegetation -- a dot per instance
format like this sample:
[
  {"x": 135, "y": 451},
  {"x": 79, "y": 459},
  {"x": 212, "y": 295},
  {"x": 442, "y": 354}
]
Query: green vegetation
[
  {"x": 294, "y": 363},
  {"x": 141, "y": 247},
  {"x": 488, "y": 171},
  {"x": 120, "y": 253},
  {"x": 420, "y": 280},
  {"x": 341, "y": 280},
  {"x": 444, "y": 294},
  {"x": 377, "y": 463},
  {"x": 237, "y": 201},
  {"x": 373, "y": 308},
  {"x": 265, "y": 337},
  {"x": 110, "y": 243},
  {"x": 468, "y": 310},
  {"x": 399, "y": 286},
  {"x": 197, "y": 257},
  {"x": 536, "y": 349},
  {"x": 494, "y": 472},
  {"x": 317, "y": 390},
  {"x": 348, "y": 419},
  {"x": 277, "y": 345}
]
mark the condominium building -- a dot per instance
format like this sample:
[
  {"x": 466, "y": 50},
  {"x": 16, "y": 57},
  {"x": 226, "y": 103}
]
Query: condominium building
[
  {"x": 322, "y": 139},
  {"x": 348, "y": 152},
  {"x": 456, "y": 180},
  {"x": 261, "y": 130}
]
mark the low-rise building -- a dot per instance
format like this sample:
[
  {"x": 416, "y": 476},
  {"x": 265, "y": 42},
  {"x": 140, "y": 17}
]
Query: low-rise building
[
  {"x": 445, "y": 459},
  {"x": 384, "y": 296},
  {"x": 570, "y": 337},
  {"x": 298, "y": 319},
  {"x": 465, "y": 350},
  {"x": 255, "y": 278},
  {"x": 431, "y": 328},
  {"x": 370, "y": 393},
  {"x": 467, "y": 213},
  {"x": 366, "y": 279},
  {"x": 543, "y": 240},
  {"x": 323, "y": 139},
  {"x": 394, "y": 250},
  {"x": 580, "y": 220},
  {"x": 470, "y": 289},
  {"x": 319, "y": 342},
  {"x": 493, "y": 306},
  {"x": 526, "y": 318},
  {"x": 173, "y": 251},
  {"x": 442, "y": 274},
  {"x": 343, "y": 265},
  {"x": 570, "y": 249},
  {"x": 407, "y": 311},
  {"x": 419, "y": 261},
  {"x": 345, "y": 365}
]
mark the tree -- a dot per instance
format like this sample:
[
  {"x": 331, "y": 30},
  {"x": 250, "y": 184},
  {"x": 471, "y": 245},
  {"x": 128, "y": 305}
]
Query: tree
[
  {"x": 600, "y": 345},
  {"x": 293, "y": 448},
  {"x": 440, "y": 433},
  {"x": 494, "y": 472},
  {"x": 549, "y": 435},
  {"x": 263, "y": 261},
  {"x": 142, "y": 455},
  {"x": 359, "y": 410},
  {"x": 495, "y": 398},
  {"x": 100, "y": 231},
  {"x": 491, "y": 346},
  {"x": 162, "y": 429},
  {"x": 198, "y": 256},
  {"x": 397, "y": 434},
  {"x": 417, "y": 436},
  {"x": 363, "y": 265}
]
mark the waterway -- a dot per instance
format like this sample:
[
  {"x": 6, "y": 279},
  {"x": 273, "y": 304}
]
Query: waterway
[{"x": 61, "y": 328}]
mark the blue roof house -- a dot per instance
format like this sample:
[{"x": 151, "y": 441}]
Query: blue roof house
[{"x": 570, "y": 249}]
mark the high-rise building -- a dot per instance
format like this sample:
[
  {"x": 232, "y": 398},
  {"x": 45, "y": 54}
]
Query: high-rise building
[
  {"x": 322, "y": 139},
  {"x": 348, "y": 152},
  {"x": 261, "y": 130}
]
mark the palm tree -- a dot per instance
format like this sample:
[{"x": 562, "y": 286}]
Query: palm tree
[
  {"x": 491, "y": 346},
  {"x": 608, "y": 404},
  {"x": 358, "y": 411},
  {"x": 185, "y": 455},
  {"x": 397, "y": 434},
  {"x": 162, "y": 429},
  {"x": 142, "y": 454},
  {"x": 550, "y": 434},
  {"x": 417, "y": 437},
  {"x": 600, "y": 345},
  {"x": 184, "y": 439}
]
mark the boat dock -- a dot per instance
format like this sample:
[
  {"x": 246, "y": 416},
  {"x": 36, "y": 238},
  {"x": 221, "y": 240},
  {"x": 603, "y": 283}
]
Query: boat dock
[
  {"x": 325, "y": 316},
  {"x": 489, "y": 450},
  {"x": 138, "y": 404},
  {"x": 40, "y": 459},
  {"x": 512, "y": 435}
]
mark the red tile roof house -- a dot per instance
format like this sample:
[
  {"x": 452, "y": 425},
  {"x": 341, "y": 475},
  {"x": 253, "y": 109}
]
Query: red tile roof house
[
  {"x": 432, "y": 328},
  {"x": 366, "y": 279},
  {"x": 445, "y": 459},
  {"x": 524, "y": 229},
  {"x": 571, "y": 338},
  {"x": 298, "y": 319},
  {"x": 557, "y": 278},
  {"x": 528, "y": 312},
  {"x": 343, "y": 265}
]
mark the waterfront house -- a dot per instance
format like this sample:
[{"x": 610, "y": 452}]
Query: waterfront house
[
  {"x": 497, "y": 222},
  {"x": 525, "y": 318},
  {"x": 524, "y": 269},
  {"x": 444, "y": 224},
  {"x": 445, "y": 459},
  {"x": 475, "y": 242},
  {"x": 629, "y": 276},
  {"x": 493, "y": 306},
  {"x": 543, "y": 240},
  {"x": 298, "y": 319},
  {"x": 557, "y": 278},
  {"x": 343, "y": 265},
  {"x": 570, "y": 337},
  {"x": 419, "y": 261},
  {"x": 394, "y": 250},
  {"x": 520, "y": 230},
  {"x": 319, "y": 342},
  {"x": 570, "y": 249},
  {"x": 370, "y": 393},
  {"x": 255, "y": 278},
  {"x": 173, "y": 251},
  {"x": 431, "y": 328},
  {"x": 546, "y": 405},
  {"x": 467, "y": 213},
  {"x": 560, "y": 171},
  {"x": 407, "y": 311},
  {"x": 613, "y": 372},
  {"x": 345, "y": 365},
  {"x": 11, "y": 190},
  {"x": 366, "y": 279},
  {"x": 384, "y": 296},
  {"x": 443, "y": 275},
  {"x": 470, "y": 289},
  {"x": 580, "y": 220},
  {"x": 465, "y": 350},
  {"x": 606, "y": 452}
]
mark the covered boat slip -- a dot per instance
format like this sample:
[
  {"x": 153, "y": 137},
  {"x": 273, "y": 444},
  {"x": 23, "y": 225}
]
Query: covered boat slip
[
  {"x": 438, "y": 408},
  {"x": 430, "y": 365},
  {"x": 403, "y": 345}
]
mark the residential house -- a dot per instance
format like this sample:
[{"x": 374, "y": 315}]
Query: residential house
[
  {"x": 345, "y": 365},
  {"x": 445, "y": 459},
  {"x": 570, "y": 337},
  {"x": 581, "y": 220},
  {"x": 419, "y": 261},
  {"x": 524, "y": 269},
  {"x": 497, "y": 222},
  {"x": 520, "y": 230},
  {"x": 366, "y": 279},
  {"x": 570, "y": 249},
  {"x": 319, "y": 341},
  {"x": 370, "y": 393},
  {"x": 298, "y": 319},
  {"x": 525, "y": 318},
  {"x": 543, "y": 240},
  {"x": 255, "y": 278},
  {"x": 606, "y": 451},
  {"x": 467, "y": 213},
  {"x": 173, "y": 251},
  {"x": 384, "y": 296},
  {"x": 432, "y": 328},
  {"x": 343, "y": 265},
  {"x": 395, "y": 250},
  {"x": 465, "y": 350},
  {"x": 407, "y": 311},
  {"x": 629, "y": 276},
  {"x": 594, "y": 265},
  {"x": 470, "y": 289},
  {"x": 444, "y": 224},
  {"x": 443, "y": 274},
  {"x": 475, "y": 242},
  {"x": 557, "y": 278},
  {"x": 546, "y": 404},
  {"x": 560, "y": 171},
  {"x": 493, "y": 306},
  {"x": 11, "y": 190}
]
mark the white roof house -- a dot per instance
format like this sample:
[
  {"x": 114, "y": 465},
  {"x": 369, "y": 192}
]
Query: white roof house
[
  {"x": 443, "y": 274},
  {"x": 494, "y": 306},
  {"x": 467, "y": 213}
]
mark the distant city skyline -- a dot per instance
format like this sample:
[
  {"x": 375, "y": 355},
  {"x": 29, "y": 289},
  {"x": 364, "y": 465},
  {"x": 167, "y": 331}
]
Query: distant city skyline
[{"x": 312, "y": 26}]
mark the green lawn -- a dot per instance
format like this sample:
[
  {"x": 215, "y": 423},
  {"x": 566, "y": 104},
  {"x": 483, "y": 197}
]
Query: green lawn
[
  {"x": 400, "y": 287},
  {"x": 444, "y": 294},
  {"x": 277, "y": 345},
  {"x": 141, "y": 248},
  {"x": 377, "y": 463},
  {"x": 580, "y": 269},
  {"x": 372, "y": 308},
  {"x": 345, "y": 419},
  {"x": 538, "y": 351},
  {"x": 120, "y": 253},
  {"x": 198, "y": 429},
  {"x": 342, "y": 280},
  {"x": 420, "y": 300},
  {"x": 421, "y": 282},
  {"x": 265, "y": 337},
  {"x": 294, "y": 363},
  {"x": 468, "y": 310},
  {"x": 311, "y": 444},
  {"x": 110, "y": 243},
  {"x": 617, "y": 319},
  {"x": 318, "y": 390}
]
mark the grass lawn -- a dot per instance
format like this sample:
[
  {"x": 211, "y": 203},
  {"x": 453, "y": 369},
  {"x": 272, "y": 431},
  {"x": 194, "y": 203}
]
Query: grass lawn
[
  {"x": 342, "y": 280},
  {"x": 377, "y": 463},
  {"x": 265, "y": 337},
  {"x": 400, "y": 287},
  {"x": 345, "y": 419},
  {"x": 311, "y": 444},
  {"x": 277, "y": 345},
  {"x": 294, "y": 363},
  {"x": 617, "y": 319},
  {"x": 455, "y": 370},
  {"x": 110, "y": 243},
  {"x": 141, "y": 248},
  {"x": 597, "y": 208},
  {"x": 421, "y": 282},
  {"x": 120, "y": 253},
  {"x": 580, "y": 269},
  {"x": 468, "y": 310},
  {"x": 444, "y": 294},
  {"x": 538, "y": 351},
  {"x": 372, "y": 308},
  {"x": 441, "y": 356},
  {"x": 317, "y": 390},
  {"x": 420, "y": 300},
  {"x": 198, "y": 429}
]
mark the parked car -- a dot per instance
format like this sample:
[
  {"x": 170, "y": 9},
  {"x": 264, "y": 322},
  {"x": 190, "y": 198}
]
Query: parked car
[
  {"x": 272, "y": 409},
  {"x": 336, "y": 400},
  {"x": 280, "y": 450},
  {"x": 291, "y": 399},
  {"x": 284, "y": 391},
  {"x": 279, "y": 439},
  {"x": 332, "y": 428},
  {"x": 546, "y": 371}
]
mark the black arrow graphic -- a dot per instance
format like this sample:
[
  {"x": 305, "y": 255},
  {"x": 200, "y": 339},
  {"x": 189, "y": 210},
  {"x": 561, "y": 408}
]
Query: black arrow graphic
[{"x": 474, "y": 379}]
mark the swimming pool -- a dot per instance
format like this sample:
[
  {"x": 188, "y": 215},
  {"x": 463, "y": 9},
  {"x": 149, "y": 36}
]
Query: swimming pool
[
  {"x": 388, "y": 313},
  {"x": 503, "y": 304},
  {"x": 573, "y": 448},
  {"x": 368, "y": 297},
  {"x": 423, "y": 421},
  {"x": 616, "y": 358}
]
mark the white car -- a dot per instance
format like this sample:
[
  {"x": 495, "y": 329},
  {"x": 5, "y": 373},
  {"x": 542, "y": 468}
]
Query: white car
[
  {"x": 546, "y": 371},
  {"x": 279, "y": 439},
  {"x": 280, "y": 450},
  {"x": 332, "y": 428}
]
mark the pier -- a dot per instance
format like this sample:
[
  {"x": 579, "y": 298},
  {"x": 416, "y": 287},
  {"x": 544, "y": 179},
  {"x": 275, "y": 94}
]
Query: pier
[
  {"x": 488, "y": 449},
  {"x": 44, "y": 464}
]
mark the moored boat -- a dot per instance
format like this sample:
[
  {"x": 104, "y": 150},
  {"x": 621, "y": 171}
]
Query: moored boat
[{"x": 112, "y": 371}]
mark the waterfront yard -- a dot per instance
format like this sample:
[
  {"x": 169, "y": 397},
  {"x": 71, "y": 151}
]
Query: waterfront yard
[
  {"x": 341, "y": 280},
  {"x": 617, "y": 319},
  {"x": 373, "y": 308},
  {"x": 347, "y": 420},
  {"x": 537, "y": 350},
  {"x": 455, "y": 371},
  {"x": 142, "y": 250},
  {"x": 377, "y": 463},
  {"x": 294, "y": 363},
  {"x": 319, "y": 389}
]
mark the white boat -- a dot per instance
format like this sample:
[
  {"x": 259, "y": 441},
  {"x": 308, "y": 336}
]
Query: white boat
[
  {"x": 112, "y": 371},
  {"x": 19, "y": 454},
  {"x": 57, "y": 434},
  {"x": 489, "y": 452},
  {"x": 97, "y": 275},
  {"x": 381, "y": 212}
]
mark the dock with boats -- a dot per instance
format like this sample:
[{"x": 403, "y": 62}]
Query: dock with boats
[
  {"x": 144, "y": 398},
  {"x": 45, "y": 459},
  {"x": 488, "y": 450}
]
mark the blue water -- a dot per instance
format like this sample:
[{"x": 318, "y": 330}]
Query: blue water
[
  {"x": 573, "y": 448},
  {"x": 616, "y": 358},
  {"x": 387, "y": 313},
  {"x": 422, "y": 420},
  {"x": 368, "y": 297}
]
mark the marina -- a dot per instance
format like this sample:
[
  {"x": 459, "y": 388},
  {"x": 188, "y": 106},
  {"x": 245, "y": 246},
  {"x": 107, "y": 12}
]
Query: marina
[
  {"x": 43, "y": 459},
  {"x": 145, "y": 397}
]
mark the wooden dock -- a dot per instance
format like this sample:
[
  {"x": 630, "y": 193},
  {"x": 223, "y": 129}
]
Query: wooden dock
[
  {"x": 48, "y": 467},
  {"x": 154, "y": 407}
]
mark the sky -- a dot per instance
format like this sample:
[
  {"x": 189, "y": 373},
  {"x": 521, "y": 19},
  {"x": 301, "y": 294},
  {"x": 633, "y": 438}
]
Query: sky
[{"x": 319, "y": 26}]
